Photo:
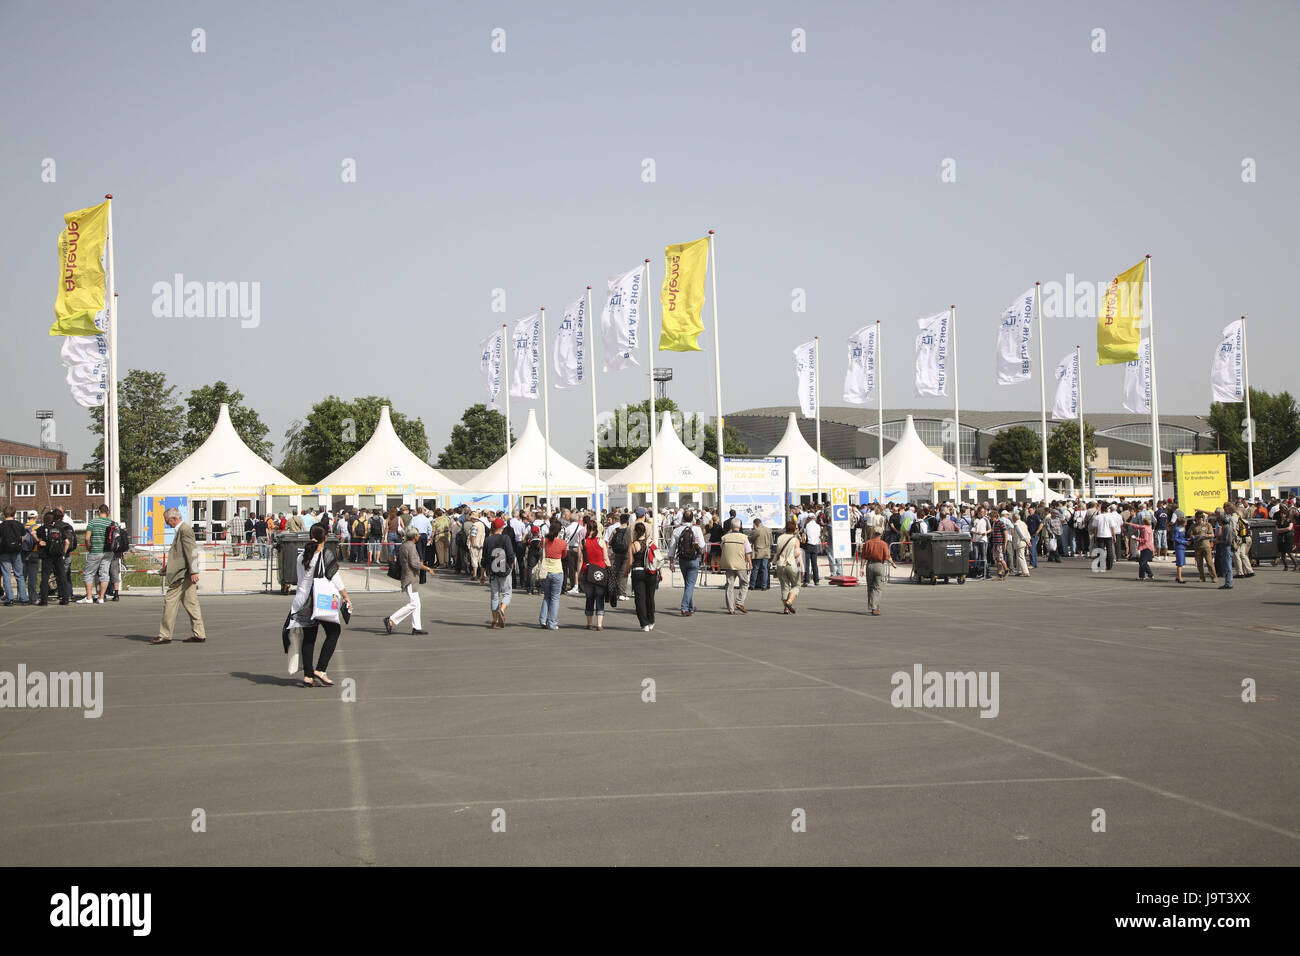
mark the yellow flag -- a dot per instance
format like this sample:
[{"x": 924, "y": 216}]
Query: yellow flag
[
  {"x": 1118, "y": 315},
  {"x": 683, "y": 294},
  {"x": 81, "y": 271}
]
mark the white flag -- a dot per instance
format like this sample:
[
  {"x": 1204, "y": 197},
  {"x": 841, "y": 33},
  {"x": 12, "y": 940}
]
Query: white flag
[
  {"x": 527, "y": 370},
  {"x": 1013, "y": 340},
  {"x": 805, "y": 371},
  {"x": 860, "y": 381},
  {"x": 1137, "y": 381},
  {"x": 492, "y": 348},
  {"x": 620, "y": 322},
  {"x": 1227, "y": 379},
  {"x": 571, "y": 346},
  {"x": 86, "y": 359},
  {"x": 1066, "y": 404},
  {"x": 932, "y": 355}
]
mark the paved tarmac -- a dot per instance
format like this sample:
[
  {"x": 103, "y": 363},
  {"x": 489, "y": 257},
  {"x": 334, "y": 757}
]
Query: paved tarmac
[{"x": 1114, "y": 695}]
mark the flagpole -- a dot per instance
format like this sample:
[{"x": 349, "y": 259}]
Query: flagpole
[
  {"x": 817, "y": 412},
  {"x": 880, "y": 416},
  {"x": 112, "y": 459},
  {"x": 717, "y": 365},
  {"x": 1083, "y": 464},
  {"x": 506, "y": 344},
  {"x": 1157, "y": 476},
  {"x": 650, "y": 356},
  {"x": 590, "y": 371},
  {"x": 1250, "y": 422},
  {"x": 546, "y": 407},
  {"x": 956, "y": 413},
  {"x": 1042, "y": 381}
]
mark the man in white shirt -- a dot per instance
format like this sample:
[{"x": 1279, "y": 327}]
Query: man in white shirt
[
  {"x": 812, "y": 545},
  {"x": 1103, "y": 534},
  {"x": 574, "y": 532}
]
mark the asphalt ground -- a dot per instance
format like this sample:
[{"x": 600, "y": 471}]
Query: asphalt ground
[{"x": 1114, "y": 695}]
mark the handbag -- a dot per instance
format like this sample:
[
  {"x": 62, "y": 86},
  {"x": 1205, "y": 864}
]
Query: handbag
[
  {"x": 394, "y": 569},
  {"x": 596, "y": 576},
  {"x": 325, "y": 601}
]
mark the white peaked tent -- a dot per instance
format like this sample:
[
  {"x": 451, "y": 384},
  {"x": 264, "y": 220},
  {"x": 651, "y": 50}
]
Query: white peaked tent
[
  {"x": 528, "y": 470},
  {"x": 223, "y": 468},
  {"x": 803, "y": 465},
  {"x": 910, "y": 461},
  {"x": 677, "y": 470},
  {"x": 1285, "y": 474},
  {"x": 385, "y": 462}
]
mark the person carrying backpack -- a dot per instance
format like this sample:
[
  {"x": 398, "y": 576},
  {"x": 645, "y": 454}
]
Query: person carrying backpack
[
  {"x": 498, "y": 557},
  {"x": 687, "y": 550},
  {"x": 11, "y": 560},
  {"x": 54, "y": 544}
]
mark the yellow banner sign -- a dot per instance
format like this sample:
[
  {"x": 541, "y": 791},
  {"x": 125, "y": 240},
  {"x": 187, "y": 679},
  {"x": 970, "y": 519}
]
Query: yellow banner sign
[
  {"x": 81, "y": 271},
  {"x": 1200, "y": 481},
  {"x": 683, "y": 296},
  {"x": 1118, "y": 315}
]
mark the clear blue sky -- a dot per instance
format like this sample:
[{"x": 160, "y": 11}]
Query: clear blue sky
[{"x": 522, "y": 171}]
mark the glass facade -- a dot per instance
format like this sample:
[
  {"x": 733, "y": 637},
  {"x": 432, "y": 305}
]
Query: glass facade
[{"x": 1172, "y": 437}]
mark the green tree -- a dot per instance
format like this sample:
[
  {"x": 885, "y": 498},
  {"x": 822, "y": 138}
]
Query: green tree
[
  {"x": 149, "y": 427},
  {"x": 478, "y": 441},
  {"x": 1277, "y": 430},
  {"x": 1016, "y": 449},
  {"x": 335, "y": 430},
  {"x": 732, "y": 444},
  {"x": 204, "y": 404},
  {"x": 1063, "y": 447}
]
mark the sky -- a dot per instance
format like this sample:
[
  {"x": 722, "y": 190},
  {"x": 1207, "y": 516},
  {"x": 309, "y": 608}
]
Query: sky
[{"x": 523, "y": 171}]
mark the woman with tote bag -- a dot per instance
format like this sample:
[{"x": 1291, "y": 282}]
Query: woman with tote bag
[{"x": 321, "y": 599}]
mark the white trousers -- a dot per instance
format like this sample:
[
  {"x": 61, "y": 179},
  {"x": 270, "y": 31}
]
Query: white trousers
[{"x": 411, "y": 607}]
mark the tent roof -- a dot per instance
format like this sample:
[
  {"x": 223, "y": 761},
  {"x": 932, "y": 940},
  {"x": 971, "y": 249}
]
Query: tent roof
[
  {"x": 528, "y": 468},
  {"x": 803, "y": 463},
  {"x": 384, "y": 460},
  {"x": 1285, "y": 474},
  {"x": 222, "y": 463},
  {"x": 675, "y": 464},
  {"x": 910, "y": 460}
]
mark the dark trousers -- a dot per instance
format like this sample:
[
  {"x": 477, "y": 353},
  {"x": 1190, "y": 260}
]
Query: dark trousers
[
  {"x": 32, "y": 565},
  {"x": 758, "y": 577},
  {"x": 810, "y": 564},
  {"x": 332, "y": 632},
  {"x": 572, "y": 561},
  {"x": 643, "y": 589},
  {"x": 59, "y": 568},
  {"x": 421, "y": 545},
  {"x": 1144, "y": 564}
]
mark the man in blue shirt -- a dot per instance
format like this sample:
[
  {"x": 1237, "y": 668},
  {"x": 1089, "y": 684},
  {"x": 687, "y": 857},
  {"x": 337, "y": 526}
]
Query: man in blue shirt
[{"x": 1035, "y": 523}]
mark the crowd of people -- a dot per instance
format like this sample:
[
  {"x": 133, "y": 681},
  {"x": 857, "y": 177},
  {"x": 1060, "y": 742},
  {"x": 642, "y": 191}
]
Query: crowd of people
[{"x": 624, "y": 554}]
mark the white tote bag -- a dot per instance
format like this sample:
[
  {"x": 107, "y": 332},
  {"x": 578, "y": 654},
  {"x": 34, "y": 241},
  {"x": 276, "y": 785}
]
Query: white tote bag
[{"x": 325, "y": 598}]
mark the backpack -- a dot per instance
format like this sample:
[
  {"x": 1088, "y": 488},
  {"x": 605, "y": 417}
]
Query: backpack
[
  {"x": 121, "y": 539},
  {"x": 688, "y": 549},
  {"x": 54, "y": 539},
  {"x": 359, "y": 530},
  {"x": 618, "y": 543},
  {"x": 29, "y": 542},
  {"x": 376, "y": 526},
  {"x": 498, "y": 560},
  {"x": 11, "y": 536}
]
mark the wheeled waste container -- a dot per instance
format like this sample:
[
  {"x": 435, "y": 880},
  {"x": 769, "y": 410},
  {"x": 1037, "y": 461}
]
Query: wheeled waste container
[
  {"x": 1263, "y": 539},
  {"x": 289, "y": 547},
  {"x": 941, "y": 554}
]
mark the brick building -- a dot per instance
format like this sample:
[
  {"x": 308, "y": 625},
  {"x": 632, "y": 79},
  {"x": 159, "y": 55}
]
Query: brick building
[{"x": 34, "y": 479}]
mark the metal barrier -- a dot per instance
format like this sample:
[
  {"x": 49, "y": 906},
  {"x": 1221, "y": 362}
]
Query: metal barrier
[{"x": 220, "y": 557}]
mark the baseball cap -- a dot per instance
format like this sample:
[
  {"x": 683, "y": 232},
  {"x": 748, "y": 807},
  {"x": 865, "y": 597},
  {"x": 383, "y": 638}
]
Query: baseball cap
[
  {"x": 640, "y": 512},
  {"x": 497, "y": 524}
]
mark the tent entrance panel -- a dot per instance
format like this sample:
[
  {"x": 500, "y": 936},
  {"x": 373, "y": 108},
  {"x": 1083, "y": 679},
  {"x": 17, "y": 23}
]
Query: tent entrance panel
[
  {"x": 280, "y": 503},
  {"x": 338, "y": 502},
  {"x": 243, "y": 506},
  {"x": 365, "y": 501},
  {"x": 220, "y": 515}
]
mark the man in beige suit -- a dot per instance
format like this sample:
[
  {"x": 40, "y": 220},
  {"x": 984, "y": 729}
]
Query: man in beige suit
[{"x": 182, "y": 576}]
